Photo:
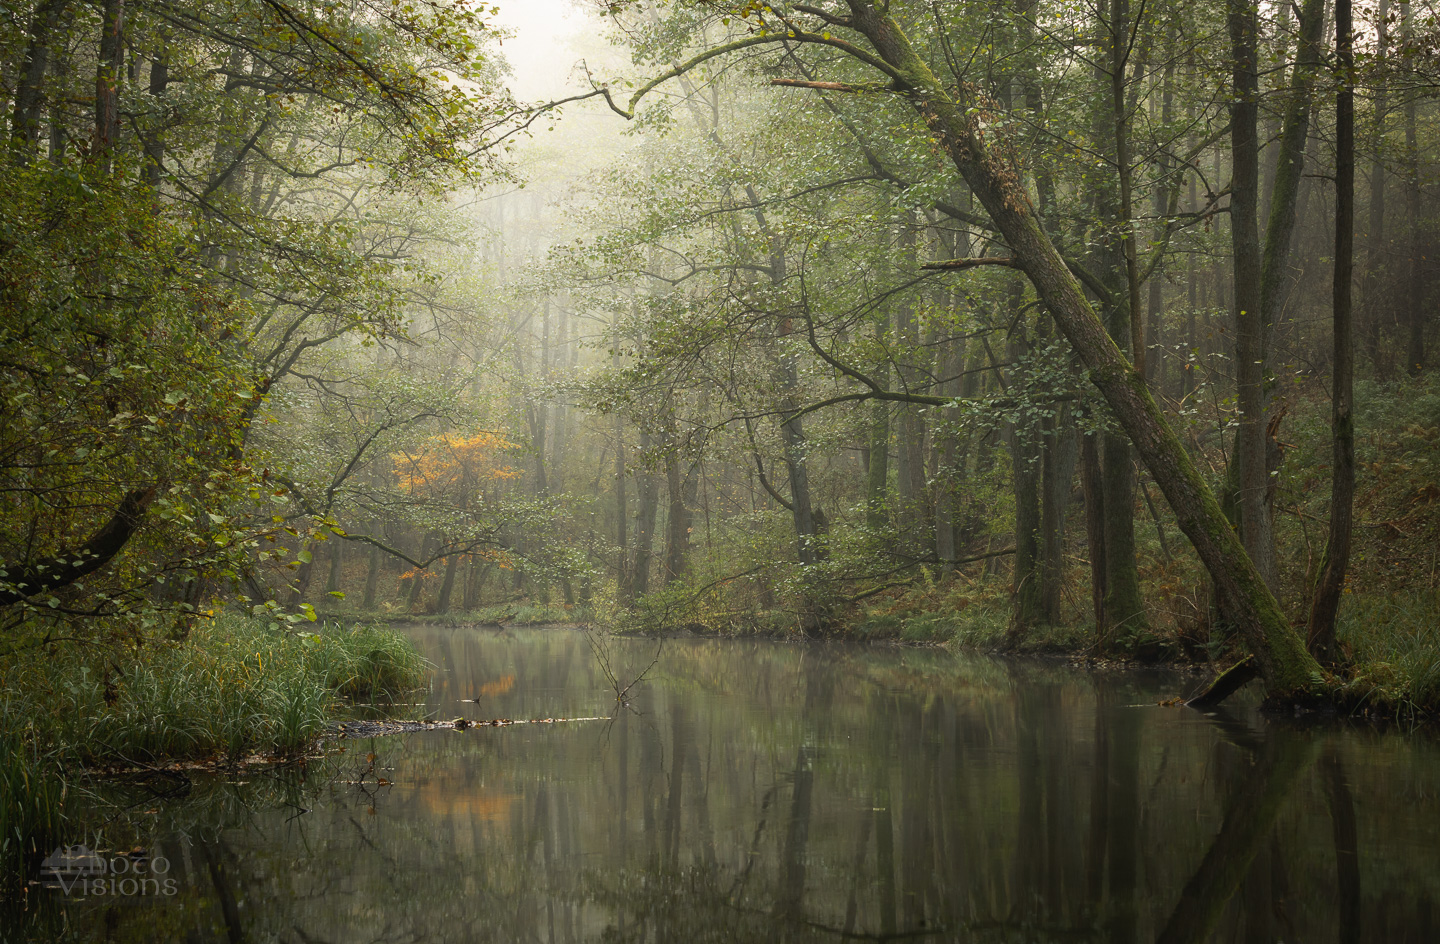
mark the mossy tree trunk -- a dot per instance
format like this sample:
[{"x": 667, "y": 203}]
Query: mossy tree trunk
[{"x": 1285, "y": 664}]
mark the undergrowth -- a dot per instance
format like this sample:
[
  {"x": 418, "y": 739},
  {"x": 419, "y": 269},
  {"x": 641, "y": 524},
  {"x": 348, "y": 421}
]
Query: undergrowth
[{"x": 1391, "y": 643}]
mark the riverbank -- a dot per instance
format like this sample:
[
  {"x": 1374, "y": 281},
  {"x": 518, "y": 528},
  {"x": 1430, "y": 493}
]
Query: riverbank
[
  {"x": 1389, "y": 644},
  {"x": 233, "y": 688}
]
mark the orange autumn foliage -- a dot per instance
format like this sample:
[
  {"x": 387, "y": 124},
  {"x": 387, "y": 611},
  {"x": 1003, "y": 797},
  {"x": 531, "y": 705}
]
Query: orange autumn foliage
[{"x": 454, "y": 466}]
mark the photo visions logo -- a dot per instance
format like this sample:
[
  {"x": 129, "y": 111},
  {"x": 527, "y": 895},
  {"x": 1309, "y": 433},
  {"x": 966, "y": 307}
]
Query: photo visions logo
[{"x": 80, "y": 872}]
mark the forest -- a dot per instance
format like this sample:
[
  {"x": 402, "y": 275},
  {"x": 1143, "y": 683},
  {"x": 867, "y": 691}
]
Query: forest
[{"x": 1101, "y": 328}]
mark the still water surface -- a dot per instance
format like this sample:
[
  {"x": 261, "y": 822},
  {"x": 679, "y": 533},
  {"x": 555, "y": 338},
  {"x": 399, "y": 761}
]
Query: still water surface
[{"x": 759, "y": 791}]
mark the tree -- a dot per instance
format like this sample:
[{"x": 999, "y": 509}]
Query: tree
[
  {"x": 192, "y": 243},
  {"x": 453, "y": 482},
  {"x": 1336, "y": 560},
  {"x": 964, "y": 125}
]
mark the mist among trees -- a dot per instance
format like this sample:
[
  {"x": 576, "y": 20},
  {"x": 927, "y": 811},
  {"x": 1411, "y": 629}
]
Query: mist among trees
[{"x": 1102, "y": 327}]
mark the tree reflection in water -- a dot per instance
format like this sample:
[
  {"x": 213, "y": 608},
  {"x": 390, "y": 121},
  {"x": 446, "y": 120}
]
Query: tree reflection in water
[{"x": 761, "y": 791}]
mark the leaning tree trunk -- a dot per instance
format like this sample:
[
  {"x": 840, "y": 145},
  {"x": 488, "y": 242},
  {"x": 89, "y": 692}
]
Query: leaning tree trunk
[
  {"x": 1333, "y": 566},
  {"x": 1287, "y": 667}
]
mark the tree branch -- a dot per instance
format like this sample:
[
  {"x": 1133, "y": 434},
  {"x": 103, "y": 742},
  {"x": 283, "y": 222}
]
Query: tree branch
[
  {"x": 949, "y": 264},
  {"x": 20, "y": 581}
]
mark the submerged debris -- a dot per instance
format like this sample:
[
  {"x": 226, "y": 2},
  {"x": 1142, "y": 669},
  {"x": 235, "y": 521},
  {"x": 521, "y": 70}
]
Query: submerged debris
[{"x": 358, "y": 729}]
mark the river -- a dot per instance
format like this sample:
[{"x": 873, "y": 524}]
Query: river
[{"x": 762, "y": 791}]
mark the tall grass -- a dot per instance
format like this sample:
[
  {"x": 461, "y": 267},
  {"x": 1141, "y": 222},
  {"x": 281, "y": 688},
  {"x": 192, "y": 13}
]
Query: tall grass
[
  {"x": 232, "y": 687},
  {"x": 1393, "y": 641},
  {"x": 31, "y": 793}
]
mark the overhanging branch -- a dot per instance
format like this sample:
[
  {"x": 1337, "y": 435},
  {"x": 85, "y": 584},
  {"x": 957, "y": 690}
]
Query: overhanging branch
[{"x": 21, "y": 581}]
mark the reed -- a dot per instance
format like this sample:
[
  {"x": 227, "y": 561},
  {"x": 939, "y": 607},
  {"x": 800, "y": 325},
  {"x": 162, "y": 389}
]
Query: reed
[
  {"x": 1393, "y": 647},
  {"x": 234, "y": 686}
]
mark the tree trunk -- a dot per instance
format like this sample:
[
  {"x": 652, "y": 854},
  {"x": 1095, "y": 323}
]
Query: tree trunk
[
  {"x": 1116, "y": 259},
  {"x": 107, "y": 79},
  {"x": 1120, "y": 39},
  {"x": 1336, "y": 560},
  {"x": 1124, "y": 607},
  {"x": 58, "y": 133},
  {"x": 622, "y": 514},
  {"x": 447, "y": 586},
  {"x": 560, "y": 436},
  {"x": 1025, "y": 482},
  {"x": 649, "y": 494},
  {"x": 1252, "y": 482},
  {"x": 1372, "y": 297},
  {"x": 1415, "y": 296},
  {"x": 793, "y": 434},
  {"x": 947, "y": 470},
  {"x": 677, "y": 519},
  {"x": 1192, "y": 289},
  {"x": 29, "y": 92},
  {"x": 1275, "y": 270},
  {"x": 417, "y": 584},
  {"x": 1155, "y": 331},
  {"x": 372, "y": 578},
  {"x": 155, "y": 143},
  {"x": 1058, "y": 470},
  {"x": 337, "y": 561},
  {"x": 1288, "y": 669},
  {"x": 1025, "y": 486},
  {"x": 1093, "y": 483},
  {"x": 475, "y": 583},
  {"x": 877, "y": 474},
  {"x": 910, "y": 435}
]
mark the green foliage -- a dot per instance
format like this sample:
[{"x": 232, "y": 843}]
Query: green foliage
[{"x": 114, "y": 380}]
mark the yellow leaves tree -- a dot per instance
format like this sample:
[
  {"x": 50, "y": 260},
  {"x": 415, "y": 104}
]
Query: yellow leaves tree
[
  {"x": 454, "y": 475},
  {"x": 462, "y": 470}
]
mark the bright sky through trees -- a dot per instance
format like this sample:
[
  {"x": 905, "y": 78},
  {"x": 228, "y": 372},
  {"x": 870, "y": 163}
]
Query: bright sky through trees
[{"x": 539, "y": 49}]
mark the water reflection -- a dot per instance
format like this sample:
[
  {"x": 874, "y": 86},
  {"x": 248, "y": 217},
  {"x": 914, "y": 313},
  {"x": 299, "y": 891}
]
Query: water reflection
[{"x": 762, "y": 792}]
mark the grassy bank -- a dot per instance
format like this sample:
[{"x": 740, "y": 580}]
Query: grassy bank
[
  {"x": 1391, "y": 644},
  {"x": 520, "y": 613},
  {"x": 233, "y": 687}
]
